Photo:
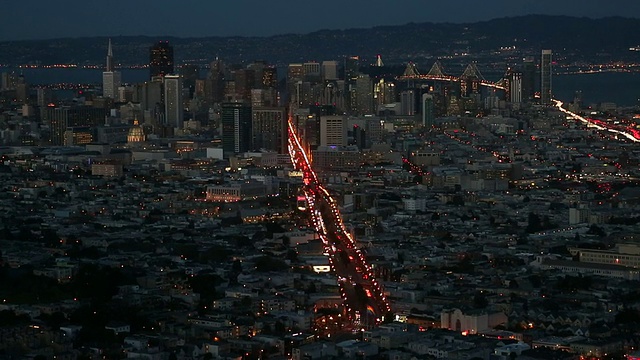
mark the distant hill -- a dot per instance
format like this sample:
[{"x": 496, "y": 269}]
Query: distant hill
[{"x": 572, "y": 37}]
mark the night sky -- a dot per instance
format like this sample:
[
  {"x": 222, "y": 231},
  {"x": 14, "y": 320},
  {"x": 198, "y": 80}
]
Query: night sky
[{"x": 40, "y": 19}]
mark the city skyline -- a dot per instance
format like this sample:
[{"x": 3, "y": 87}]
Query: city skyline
[{"x": 71, "y": 19}]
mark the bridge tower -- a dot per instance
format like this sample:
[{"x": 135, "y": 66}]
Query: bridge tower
[
  {"x": 470, "y": 80},
  {"x": 411, "y": 74}
]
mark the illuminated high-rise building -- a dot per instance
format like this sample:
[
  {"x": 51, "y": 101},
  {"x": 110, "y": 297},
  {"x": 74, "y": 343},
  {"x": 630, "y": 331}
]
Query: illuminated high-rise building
[
  {"x": 428, "y": 110},
  {"x": 545, "y": 79},
  {"x": 515, "y": 87},
  {"x": 295, "y": 74},
  {"x": 333, "y": 131},
  {"x": 236, "y": 127},
  {"x": 173, "y": 102},
  {"x": 351, "y": 68},
  {"x": 111, "y": 79},
  {"x": 408, "y": 102},
  {"x": 60, "y": 119},
  {"x": 270, "y": 77},
  {"x": 364, "y": 93},
  {"x": 161, "y": 59},
  {"x": 268, "y": 128}
]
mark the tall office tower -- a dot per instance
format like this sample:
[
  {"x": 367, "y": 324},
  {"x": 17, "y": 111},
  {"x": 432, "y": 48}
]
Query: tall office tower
[
  {"x": 333, "y": 131},
  {"x": 60, "y": 119},
  {"x": 190, "y": 73},
  {"x": 351, "y": 72},
  {"x": 364, "y": 93},
  {"x": 359, "y": 135},
  {"x": 258, "y": 70},
  {"x": 577, "y": 99},
  {"x": 214, "y": 87},
  {"x": 329, "y": 70},
  {"x": 150, "y": 95},
  {"x": 295, "y": 74},
  {"x": 6, "y": 81},
  {"x": 311, "y": 70},
  {"x": 270, "y": 77},
  {"x": 408, "y": 102},
  {"x": 351, "y": 68},
  {"x": 264, "y": 97},
  {"x": 384, "y": 92},
  {"x": 515, "y": 87},
  {"x": 268, "y": 128},
  {"x": 236, "y": 127},
  {"x": 528, "y": 78},
  {"x": 545, "y": 79},
  {"x": 428, "y": 110},
  {"x": 43, "y": 97},
  {"x": 173, "y": 102},
  {"x": 22, "y": 90},
  {"x": 160, "y": 59},
  {"x": 111, "y": 79},
  {"x": 245, "y": 80},
  {"x": 333, "y": 94},
  {"x": 302, "y": 94}
]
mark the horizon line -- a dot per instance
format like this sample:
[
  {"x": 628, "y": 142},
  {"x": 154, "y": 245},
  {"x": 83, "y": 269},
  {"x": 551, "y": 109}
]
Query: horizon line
[{"x": 319, "y": 30}]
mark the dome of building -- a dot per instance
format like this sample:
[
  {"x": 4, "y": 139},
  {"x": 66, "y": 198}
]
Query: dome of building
[{"x": 136, "y": 133}]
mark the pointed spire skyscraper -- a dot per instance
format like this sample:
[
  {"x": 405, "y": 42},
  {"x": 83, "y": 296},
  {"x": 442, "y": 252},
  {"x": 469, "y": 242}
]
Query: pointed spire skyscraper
[
  {"x": 110, "y": 78},
  {"x": 109, "y": 57}
]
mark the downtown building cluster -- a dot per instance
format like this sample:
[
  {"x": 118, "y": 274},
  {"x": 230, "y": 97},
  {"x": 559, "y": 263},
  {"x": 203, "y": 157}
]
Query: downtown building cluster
[{"x": 173, "y": 226}]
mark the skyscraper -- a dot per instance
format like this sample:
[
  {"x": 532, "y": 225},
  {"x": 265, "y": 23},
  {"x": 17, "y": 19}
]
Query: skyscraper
[
  {"x": 161, "y": 59},
  {"x": 173, "y": 102},
  {"x": 351, "y": 68},
  {"x": 236, "y": 127},
  {"x": 111, "y": 79},
  {"x": 333, "y": 131},
  {"x": 270, "y": 77},
  {"x": 515, "y": 87},
  {"x": 408, "y": 102},
  {"x": 60, "y": 119},
  {"x": 330, "y": 70},
  {"x": 214, "y": 88},
  {"x": 545, "y": 79},
  {"x": 268, "y": 129},
  {"x": 428, "y": 110},
  {"x": 364, "y": 93},
  {"x": 528, "y": 78},
  {"x": 295, "y": 74}
]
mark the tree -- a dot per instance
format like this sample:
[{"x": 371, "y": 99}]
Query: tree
[
  {"x": 267, "y": 263},
  {"x": 292, "y": 255},
  {"x": 236, "y": 267},
  {"x": 286, "y": 241},
  {"x": 534, "y": 223},
  {"x": 480, "y": 300},
  {"x": 246, "y": 302},
  {"x": 596, "y": 230},
  {"x": 627, "y": 316},
  {"x": 279, "y": 327},
  {"x": 400, "y": 257},
  {"x": 311, "y": 288}
]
